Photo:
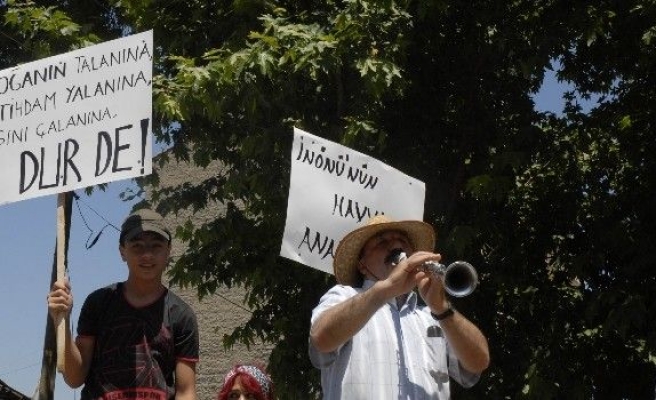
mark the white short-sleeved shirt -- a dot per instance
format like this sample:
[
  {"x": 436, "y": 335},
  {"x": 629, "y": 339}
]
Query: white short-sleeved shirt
[{"x": 398, "y": 354}]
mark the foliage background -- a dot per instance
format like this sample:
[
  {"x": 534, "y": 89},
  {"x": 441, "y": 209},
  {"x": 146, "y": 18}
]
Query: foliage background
[{"x": 555, "y": 211}]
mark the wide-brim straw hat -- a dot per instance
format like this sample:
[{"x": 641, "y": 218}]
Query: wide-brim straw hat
[{"x": 345, "y": 264}]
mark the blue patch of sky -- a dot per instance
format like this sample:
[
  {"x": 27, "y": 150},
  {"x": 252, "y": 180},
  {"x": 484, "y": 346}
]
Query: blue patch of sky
[{"x": 551, "y": 96}]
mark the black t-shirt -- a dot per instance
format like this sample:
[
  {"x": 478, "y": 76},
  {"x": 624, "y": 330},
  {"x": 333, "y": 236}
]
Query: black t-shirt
[{"x": 136, "y": 348}]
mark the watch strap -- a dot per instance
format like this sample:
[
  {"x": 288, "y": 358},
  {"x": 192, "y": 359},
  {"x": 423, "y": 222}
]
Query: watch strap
[{"x": 444, "y": 314}]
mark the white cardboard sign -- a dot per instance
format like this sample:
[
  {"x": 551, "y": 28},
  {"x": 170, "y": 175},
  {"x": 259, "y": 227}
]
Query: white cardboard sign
[
  {"x": 333, "y": 190},
  {"x": 77, "y": 119}
]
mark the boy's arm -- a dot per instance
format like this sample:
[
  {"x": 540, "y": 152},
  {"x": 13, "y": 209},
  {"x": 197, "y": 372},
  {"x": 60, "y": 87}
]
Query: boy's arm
[
  {"x": 185, "y": 380},
  {"x": 77, "y": 359},
  {"x": 77, "y": 354}
]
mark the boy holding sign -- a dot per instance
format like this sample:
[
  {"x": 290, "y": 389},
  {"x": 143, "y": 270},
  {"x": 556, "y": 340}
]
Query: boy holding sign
[{"x": 136, "y": 339}]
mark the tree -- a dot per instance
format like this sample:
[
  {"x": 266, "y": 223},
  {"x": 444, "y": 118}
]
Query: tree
[{"x": 553, "y": 210}]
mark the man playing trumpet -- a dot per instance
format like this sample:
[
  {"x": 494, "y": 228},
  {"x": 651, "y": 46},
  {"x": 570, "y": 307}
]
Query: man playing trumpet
[{"x": 369, "y": 336}]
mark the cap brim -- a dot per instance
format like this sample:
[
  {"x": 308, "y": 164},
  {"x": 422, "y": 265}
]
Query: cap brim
[{"x": 146, "y": 227}]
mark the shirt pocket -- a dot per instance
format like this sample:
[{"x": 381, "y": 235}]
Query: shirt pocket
[{"x": 436, "y": 354}]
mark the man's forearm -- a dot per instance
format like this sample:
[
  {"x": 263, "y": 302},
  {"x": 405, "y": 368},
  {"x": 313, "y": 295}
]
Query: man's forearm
[
  {"x": 467, "y": 341},
  {"x": 341, "y": 322}
]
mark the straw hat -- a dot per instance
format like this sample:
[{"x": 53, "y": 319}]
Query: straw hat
[{"x": 345, "y": 264}]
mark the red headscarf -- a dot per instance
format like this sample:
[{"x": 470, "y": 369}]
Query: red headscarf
[{"x": 253, "y": 379}]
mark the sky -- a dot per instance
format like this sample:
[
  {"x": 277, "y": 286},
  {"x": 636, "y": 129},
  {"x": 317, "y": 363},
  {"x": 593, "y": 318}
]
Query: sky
[{"x": 28, "y": 233}]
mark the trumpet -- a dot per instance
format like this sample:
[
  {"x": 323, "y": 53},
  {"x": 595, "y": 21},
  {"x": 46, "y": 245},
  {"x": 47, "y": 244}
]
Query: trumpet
[{"x": 460, "y": 278}]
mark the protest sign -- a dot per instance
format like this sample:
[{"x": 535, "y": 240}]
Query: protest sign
[
  {"x": 333, "y": 190},
  {"x": 77, "y": 119}
]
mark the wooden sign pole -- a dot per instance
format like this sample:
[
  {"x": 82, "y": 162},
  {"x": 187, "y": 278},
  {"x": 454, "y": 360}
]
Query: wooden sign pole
[{"x": 61, "y": 274}]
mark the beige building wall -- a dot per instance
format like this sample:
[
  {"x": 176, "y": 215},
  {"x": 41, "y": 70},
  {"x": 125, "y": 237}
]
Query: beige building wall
[{"x": 220, "y": 313}]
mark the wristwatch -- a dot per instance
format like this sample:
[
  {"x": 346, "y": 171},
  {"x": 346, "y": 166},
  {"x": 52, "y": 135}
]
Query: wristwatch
[{"x": 444, "y": 314}]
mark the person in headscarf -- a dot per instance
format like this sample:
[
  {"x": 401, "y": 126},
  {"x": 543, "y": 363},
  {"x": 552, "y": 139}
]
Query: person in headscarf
[{"x": 246, "y": 382}]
